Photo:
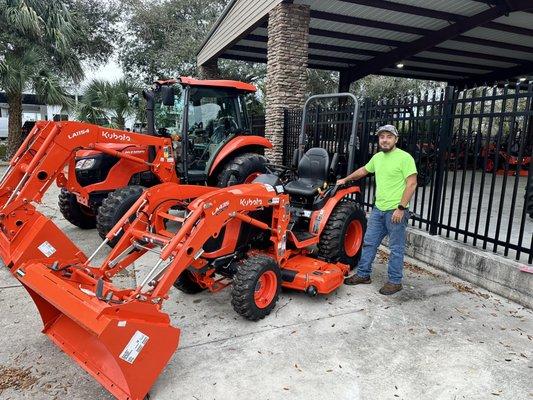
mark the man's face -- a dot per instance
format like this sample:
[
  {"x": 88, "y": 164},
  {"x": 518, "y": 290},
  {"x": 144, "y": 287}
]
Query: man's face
[{"x": 387, "y": 141}]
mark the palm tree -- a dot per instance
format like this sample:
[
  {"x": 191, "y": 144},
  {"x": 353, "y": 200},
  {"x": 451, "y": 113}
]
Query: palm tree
[
  {"x": 35, "y": 53},
  {"x": 107, "y": 103}
]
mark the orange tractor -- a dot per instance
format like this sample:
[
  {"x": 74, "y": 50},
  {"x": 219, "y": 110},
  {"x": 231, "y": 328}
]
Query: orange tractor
[
  {"x": 211, "y": 144},
  {"x": 291, "y": 229}
]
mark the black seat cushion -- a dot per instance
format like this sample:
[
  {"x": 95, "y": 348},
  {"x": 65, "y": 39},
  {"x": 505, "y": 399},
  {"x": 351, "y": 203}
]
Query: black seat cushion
[{"x": 312, "y": 173}]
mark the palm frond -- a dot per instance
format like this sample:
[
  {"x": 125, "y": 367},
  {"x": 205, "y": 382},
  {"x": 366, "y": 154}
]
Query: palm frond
[
  {"x": 23, "y": 17},
  {"x": 50, "y": 90}
]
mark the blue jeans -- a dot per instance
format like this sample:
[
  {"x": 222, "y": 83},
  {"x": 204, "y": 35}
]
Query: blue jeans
[{"x": 379, "y": 226}]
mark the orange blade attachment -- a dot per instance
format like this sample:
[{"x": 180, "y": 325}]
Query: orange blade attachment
[{"x": 123, "y": 345}]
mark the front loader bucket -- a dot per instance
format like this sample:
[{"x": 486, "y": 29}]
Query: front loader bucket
[
  {"x": 35, "y": 238},
  {"x": 124, "y": 346}
]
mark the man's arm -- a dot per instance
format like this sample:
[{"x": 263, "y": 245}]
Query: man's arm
[
  {"x": 410, "y": 189},
  {"x": 354, "y": 176}
]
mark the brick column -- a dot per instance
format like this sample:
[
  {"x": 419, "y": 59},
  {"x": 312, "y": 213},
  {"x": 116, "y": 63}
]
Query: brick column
[
  {"x": 209, "y": 70},
  {"x": 288, "y": 40}
]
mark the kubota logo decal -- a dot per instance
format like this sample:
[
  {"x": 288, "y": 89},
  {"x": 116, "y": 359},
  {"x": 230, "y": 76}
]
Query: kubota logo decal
[
  {"x": 251, "y": 202},
  {"x": 114, "y": 136},
  {"x": 78, "y": 133}
]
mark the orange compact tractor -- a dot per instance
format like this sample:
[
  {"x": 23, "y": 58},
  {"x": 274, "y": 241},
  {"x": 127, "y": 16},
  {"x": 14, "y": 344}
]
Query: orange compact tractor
[
  {"x": 292, "y": 229},
  {"x": 203, "y": 238},
  {"x": 211, "y": 144}
]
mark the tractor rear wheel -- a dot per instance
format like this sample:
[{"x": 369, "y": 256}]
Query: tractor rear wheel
[
  {"x": 187, "y": 284},
  {"x": 114, "y": 206},
  {"x": 342, "y": 237},
  {"x": 242, "y": 169},
  {"x": 256, "y": 287},
  {"x": 75, "y": 213}
]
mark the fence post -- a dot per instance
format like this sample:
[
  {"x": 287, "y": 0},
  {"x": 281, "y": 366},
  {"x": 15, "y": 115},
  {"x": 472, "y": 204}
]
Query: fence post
[
  {"x": 363, "y": 143},
  {"x": 444, "y": 139},
  {"x": 316, "y": 135}
]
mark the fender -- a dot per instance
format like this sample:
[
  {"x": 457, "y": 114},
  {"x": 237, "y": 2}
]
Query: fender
[
  {"x": 319, "y": 218},
  {"x": 238, "y": 143}
]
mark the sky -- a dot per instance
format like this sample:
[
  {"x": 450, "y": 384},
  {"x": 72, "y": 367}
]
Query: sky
[{"x": 108, "y": 72}]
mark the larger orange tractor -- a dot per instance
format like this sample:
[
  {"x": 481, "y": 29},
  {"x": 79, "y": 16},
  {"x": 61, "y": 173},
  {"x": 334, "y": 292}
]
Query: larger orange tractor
[{"x": 211, "y": 144}]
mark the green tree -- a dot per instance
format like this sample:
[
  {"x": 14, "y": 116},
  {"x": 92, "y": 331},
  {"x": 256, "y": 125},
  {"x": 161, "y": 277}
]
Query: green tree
[
  {"x": 42, "y": 45},
  {"x": 34, "y": 50},
  {"x": 107, "y": 103},
  {"x": 162, "y": 39},
  {"x": 377, "y": 86}
]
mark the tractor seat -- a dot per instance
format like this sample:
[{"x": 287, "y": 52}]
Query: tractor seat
[{"x": 312, "y": 173}]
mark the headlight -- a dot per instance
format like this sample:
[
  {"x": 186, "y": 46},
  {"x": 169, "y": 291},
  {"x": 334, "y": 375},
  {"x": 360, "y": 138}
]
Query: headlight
[{"x": 86, "y": 163}]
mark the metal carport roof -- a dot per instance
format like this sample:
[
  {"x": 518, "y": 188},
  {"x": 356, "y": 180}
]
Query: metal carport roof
[{"x": 459, "y": 41}]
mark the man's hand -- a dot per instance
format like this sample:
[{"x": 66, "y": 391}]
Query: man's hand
[
  {"x": 397, "y": 216},
  {"x": 341, "y": 181}
]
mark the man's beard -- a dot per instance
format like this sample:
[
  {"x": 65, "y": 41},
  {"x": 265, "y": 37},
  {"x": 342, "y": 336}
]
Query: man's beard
[{"x": 386, "y": 150}]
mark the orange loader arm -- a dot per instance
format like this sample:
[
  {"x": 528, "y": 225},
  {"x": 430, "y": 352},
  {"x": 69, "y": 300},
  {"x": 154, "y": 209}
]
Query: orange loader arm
[{"x": 40, "y": 160}]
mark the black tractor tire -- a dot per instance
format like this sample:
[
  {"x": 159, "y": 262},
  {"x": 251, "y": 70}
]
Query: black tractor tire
[
  {"x": 187, "y": 284},
  {"x": 240, "y": 168},
  {"x": 331, "y": 246},
  {"x": 246, "y": 283},
  {"x": 113, "y": 209},
  {"x": 74, "y": 212}
]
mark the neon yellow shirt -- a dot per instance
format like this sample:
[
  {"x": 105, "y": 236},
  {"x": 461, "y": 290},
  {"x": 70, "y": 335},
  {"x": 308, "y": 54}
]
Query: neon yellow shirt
[{"x": 391, "y": 171}]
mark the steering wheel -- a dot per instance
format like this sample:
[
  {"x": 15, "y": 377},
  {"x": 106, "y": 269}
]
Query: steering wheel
[{"x": 221, "y": 122}]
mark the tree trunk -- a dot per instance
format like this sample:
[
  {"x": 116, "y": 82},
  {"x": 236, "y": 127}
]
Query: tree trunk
[
  {"x": 121, "y": 121},
  {"x": 14, "y": 138}
]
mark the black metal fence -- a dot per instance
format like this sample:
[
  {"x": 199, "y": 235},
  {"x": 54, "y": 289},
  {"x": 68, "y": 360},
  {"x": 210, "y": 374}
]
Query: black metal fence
[
  {"x": 257, "y": 124},
  {"x": 473, "y": 150}
]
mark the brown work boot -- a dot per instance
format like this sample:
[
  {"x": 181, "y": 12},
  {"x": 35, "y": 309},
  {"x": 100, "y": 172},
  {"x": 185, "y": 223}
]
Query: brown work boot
[
  {"x": 390, "y": 288},
  {"x": 357, "y": 280}
]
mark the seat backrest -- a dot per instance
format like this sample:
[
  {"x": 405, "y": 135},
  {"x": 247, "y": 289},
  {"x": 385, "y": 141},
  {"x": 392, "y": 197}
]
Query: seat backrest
[{"x": 314, "y": 165}]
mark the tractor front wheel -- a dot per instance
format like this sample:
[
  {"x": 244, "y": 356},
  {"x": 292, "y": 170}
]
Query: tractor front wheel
[
  {"x": 113, "y": 208},
  {"x": 242, "y": 169},
  {"x": 256, "y": 287},
  {"x": 342, "y": 237},
  {"x": 75, "y": 213}
]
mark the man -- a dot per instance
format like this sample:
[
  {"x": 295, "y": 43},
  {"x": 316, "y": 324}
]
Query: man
[{"x": 395, "y": 172}]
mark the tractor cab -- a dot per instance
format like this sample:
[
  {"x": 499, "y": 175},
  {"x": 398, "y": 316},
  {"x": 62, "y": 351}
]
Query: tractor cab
[{"x": 201, "y": 117}]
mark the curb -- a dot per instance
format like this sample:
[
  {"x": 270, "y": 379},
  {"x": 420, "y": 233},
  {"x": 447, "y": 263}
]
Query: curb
[{"x": 482, "y": 268}]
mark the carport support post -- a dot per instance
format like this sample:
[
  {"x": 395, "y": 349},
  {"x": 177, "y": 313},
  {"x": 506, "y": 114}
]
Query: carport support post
[
  {"x": 344, "y": 81},
  {"x": 288, "y": 42},
  {"x": 444, "y": 138}
]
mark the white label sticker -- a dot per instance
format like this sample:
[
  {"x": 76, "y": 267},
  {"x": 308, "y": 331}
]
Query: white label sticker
[
  {"x": 279, "y": 189},
  {"x": 121, "y": 324},
  {"x": 134, "y": 347},
  {"x": 268, "y": 187},
  {"x": 47, "y": 249}
]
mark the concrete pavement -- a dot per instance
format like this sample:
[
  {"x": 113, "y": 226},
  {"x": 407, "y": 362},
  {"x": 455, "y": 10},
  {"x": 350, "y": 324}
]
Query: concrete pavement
[{"x": 440, "y": 338}]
